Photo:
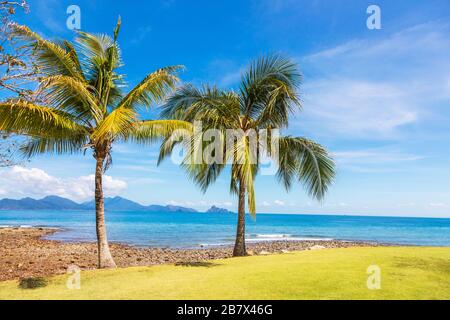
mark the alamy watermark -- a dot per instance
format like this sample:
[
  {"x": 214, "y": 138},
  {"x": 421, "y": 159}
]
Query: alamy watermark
[
  {"x": 74, "y": 280},
  {"x": 73, "y": 21},
  {"x": 230, "y": 146},
  {"x": 374, "y": 279},
  {"x": 374, "y": 19}
]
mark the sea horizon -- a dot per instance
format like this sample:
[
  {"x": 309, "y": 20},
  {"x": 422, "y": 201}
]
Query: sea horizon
[{"x": 200, "y": 211}]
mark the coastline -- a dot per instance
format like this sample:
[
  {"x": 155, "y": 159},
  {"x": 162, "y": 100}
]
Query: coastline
[{"x": 25, "y": 254}]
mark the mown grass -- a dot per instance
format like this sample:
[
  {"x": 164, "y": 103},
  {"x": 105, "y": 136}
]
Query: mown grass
[{"x": 406, "y": 273}]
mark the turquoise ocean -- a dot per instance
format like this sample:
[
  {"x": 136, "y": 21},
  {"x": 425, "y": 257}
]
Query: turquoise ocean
[{"x": 194, "y": 230}]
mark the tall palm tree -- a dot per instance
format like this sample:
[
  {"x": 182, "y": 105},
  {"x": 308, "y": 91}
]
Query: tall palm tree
[
  {"x": 84, "y": 108},
  {"x": 265, "y": 99}
]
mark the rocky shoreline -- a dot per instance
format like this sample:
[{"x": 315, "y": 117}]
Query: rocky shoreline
[{"x": 24, "y": 254}]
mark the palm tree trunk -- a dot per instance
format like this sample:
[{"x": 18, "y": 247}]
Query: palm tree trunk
[
  {"x": 105, "y": 259},
  {"x": 239, "y": 247}
]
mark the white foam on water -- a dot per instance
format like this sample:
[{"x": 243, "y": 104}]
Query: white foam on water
[
  {"x": 213, "y": 244},
  {"x": 282, "y": 237},
  {"x": 274, "y": 236},
  {"x": 288, "y": 239}
]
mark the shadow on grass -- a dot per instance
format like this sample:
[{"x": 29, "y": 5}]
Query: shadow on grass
[
  {"x": 202, "y": 264},
  {"x": 32, "y": 283}
]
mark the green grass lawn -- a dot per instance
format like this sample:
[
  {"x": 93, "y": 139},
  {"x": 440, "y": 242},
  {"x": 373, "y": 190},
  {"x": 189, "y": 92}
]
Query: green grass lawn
[{"x": 406, "y": 273}]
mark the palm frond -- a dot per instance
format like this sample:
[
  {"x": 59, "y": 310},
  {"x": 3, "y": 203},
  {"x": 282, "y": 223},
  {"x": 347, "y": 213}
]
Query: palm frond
[
  {"x": 52, "y": 58},
  {"x": 100, "y": 54},
  {"x": 203, "y": 175},
  {"x": 154, "y": 88},
  {"x": 307, "y": 161},
  {"x": 268, "y": 90},
  {"x": 276, "y": 107},
  {"x": 214, "y": 107},
  {"x": 182, "y": 138},
  {"x": 73, "y": 96},
  {"x": 117, "y": 28},
  {"x": 25, "y": 118},
  {"x": 40, "y": 145},
  {"x": 94, "y": 48},
  {"x": 117, "y": 124},
  {"x": 74, "y": 57},
  {"x": 146, "y": 132}
]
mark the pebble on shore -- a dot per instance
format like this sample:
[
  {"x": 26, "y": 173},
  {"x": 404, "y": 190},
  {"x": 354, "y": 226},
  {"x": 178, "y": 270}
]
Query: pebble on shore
[{"x": 24, "y": 254}]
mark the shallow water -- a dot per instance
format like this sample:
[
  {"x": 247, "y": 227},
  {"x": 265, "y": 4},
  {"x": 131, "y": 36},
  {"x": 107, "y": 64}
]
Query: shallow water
[{"x": 190, "y": 230}]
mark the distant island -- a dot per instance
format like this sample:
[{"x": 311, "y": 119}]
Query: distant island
[
  {"x": 111, "y": 204},
  {"x": 215, "y": 209}
]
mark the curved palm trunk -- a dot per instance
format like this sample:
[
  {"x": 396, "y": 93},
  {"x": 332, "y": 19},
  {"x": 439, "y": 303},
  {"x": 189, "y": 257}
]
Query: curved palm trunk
[
  {"x": 105, "y": 259},
  {"x": 239, "y": 247}
]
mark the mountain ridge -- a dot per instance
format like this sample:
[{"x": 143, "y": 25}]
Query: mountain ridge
[{"x": 111, "y": 204}]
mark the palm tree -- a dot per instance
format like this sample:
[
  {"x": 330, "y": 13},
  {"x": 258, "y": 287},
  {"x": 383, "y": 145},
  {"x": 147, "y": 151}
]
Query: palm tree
[
  {"x": 266, "y": 97},
  {"x": 84, "y": 108}
]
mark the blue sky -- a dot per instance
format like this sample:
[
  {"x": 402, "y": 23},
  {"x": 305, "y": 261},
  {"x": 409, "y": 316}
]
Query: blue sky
[{"x": 378, "y": 99}]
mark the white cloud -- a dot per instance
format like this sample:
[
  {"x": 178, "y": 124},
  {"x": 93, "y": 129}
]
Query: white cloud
[
  {"x": 438, "y": 205},
  {"x": 174, "y": 203},
  {"x": 407, "y": 205},
  {"x": 368, "y": 88},
  {"x": 359, "y": 107},
  {"x": 52, "y": 14},
  {"x": 231, "y": 78},
  {"x": 229, "y": 71},
  {"x": 138, "y": 168},
  {"x": 279, "y": 203},
  {"x": 34, "y": 182},
  {"x": 141, "y": 34},
  {"x": 336, "y": 205},
  {"x": 374, "y": 156},
  {"x": 336, "y": 51},
  {"x": 200, "y": 204}
]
